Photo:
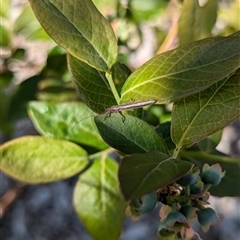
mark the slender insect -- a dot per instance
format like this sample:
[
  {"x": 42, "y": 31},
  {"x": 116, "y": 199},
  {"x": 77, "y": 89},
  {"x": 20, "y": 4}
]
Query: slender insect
[
  {"x": 127, "y": 107},
  {"x": 120, "y": 108}
]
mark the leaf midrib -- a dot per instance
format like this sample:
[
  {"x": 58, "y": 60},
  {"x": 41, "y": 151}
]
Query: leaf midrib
[
  {"x": 199, "y": 112},
  {"x": 81, "y": 34},
  {"x": 175, "y": 73}
]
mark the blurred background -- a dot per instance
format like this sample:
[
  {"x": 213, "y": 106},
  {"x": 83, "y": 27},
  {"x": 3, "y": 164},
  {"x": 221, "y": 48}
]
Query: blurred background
[{"x": 33, "y": 67}]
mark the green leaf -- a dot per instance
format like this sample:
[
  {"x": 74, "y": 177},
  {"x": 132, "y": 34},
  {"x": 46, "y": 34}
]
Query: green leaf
[
  {"x": 56, "y": 90},
  {"x": 25, "y": 92},
  {"x": 91, "y": 84},
  {"x": 236, "y": 34},
  {"x": 143, "y": 173},
  {"x": 4, "y": 9},
  {"x": 189, "y": 25},
  {"x": 27, "y": 24},
  {"x": 35, "y": 159},
  {"x": 64, "y": 121},
  {"x": 5, "y": 103},
  {"x": 120, "y": 73},
  {"x": 79, "y": 27},
  {"x": 183, "y": 71},
  {"x": 98, "y": 200},
  {"x": 129, "y": 136},
  {"x": 230, "y": 183},
  {"x": 210, "y": 143},
  {"x": 165, "y": 130},
  {"x": 143, "y": 10},
  {"x": 56, "y": 65},
  {"x": 196, "y": 22},
  {"x": 5, "y": 36},
  {"x": 209, "y": 17},
  {"x": 202, "y": 114}
]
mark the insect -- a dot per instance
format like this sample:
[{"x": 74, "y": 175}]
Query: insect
[
  {"x": 119, "y": 108},
  {"x": 128, "y": 106}
]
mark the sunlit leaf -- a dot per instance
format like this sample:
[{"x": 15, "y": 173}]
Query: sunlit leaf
[
  {"x": 64, "y": 121},
  {"x": 202, "y": 114},
  {"x": 79, "y": 28},
  {"x": 98, "y": 200},
  {"x": 142, "y": 173},
  {"x": 35, "y": 159},
  {"x": 184, "y": 71}
]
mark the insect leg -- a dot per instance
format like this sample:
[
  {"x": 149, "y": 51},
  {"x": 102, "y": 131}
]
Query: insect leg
[
  {"x": 122, "y": 116},
  {"x": 108, "y": 114}
]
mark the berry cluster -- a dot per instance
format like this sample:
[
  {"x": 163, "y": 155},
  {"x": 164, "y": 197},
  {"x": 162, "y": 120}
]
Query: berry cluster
[{"x": 182, "y": 201}]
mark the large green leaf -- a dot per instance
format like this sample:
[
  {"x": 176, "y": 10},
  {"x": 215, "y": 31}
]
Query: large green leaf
[
  {"x": 184, "y": 71},
  {"x": 80, "y": 28},
  {"x": 129, "y": 135},
  {"x": 202, "y": 114},
  {"x": 196, "y": 22},
  {"x": 66, "y": 121},
  {"x": 91, "y": 84},
  {"x": 35, "y": 159},
  {"x": 98, "y": 200},
  {"x": 142, "y": 173}
]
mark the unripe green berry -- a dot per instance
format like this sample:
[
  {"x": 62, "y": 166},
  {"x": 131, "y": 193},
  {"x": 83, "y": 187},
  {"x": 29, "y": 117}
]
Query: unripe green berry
[
  {"x": 188, "y": 211},
  {"x": 207, "y": 217},
  {"x": 190, "y": 178},
  {"x": 149, "y": 202},
  {"x": 212, "y": 175}
]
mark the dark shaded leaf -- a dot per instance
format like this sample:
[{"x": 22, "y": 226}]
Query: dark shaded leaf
[
  {"x": 143, "y": 173},
  {"x": 91, "y": 84},
  {"x": 129, "y": 135}
]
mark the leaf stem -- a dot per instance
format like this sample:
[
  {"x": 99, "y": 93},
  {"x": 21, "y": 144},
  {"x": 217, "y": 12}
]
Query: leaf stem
[
  {"x": 175, "y": 153},
  {"x": 209, "y": 156},
  {"x": 99, "y": 154},
  {"x": 112, "y": 86}
]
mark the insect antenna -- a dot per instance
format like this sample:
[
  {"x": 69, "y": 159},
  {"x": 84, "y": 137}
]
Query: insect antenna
[{"x": 81, "y": 121}]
